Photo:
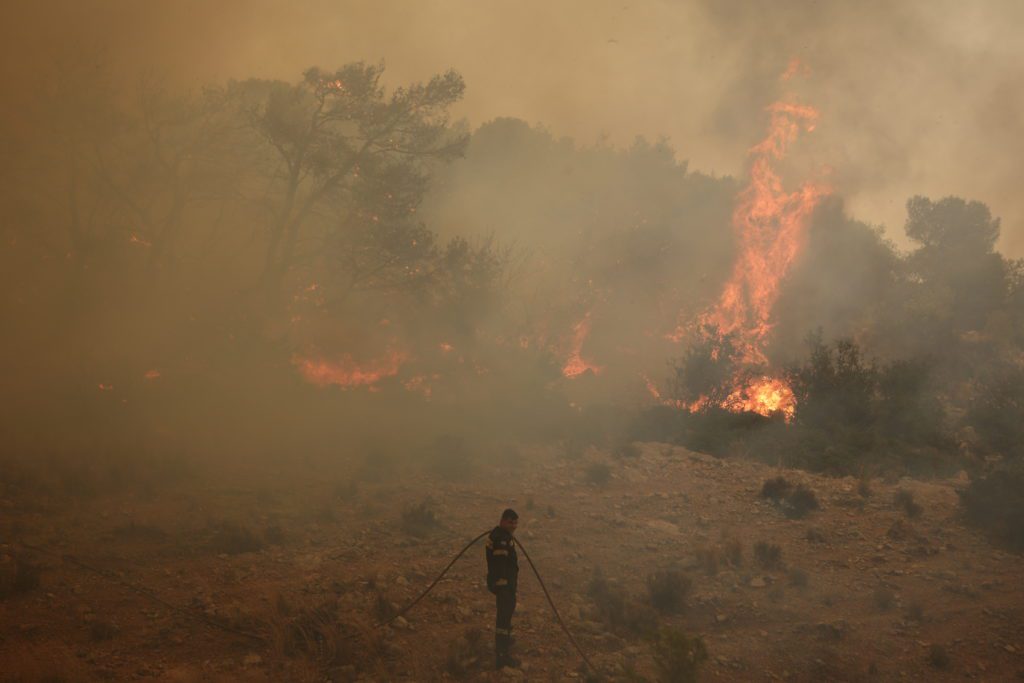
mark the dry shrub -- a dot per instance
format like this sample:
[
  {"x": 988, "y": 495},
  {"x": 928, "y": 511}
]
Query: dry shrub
[
  {"x": 767, "y": 555},
  {"x": 618, "y": 610},
  {"x": 317, "y": 632},
  {"x": 679, "y": 657},
  {"x": 796, "y": 501},
  {"x": 419, "y": 520},
  {"x": 776, "y": 489},
  {"x": 904, "y": 500},
  {"x": 668, "y": 590},
  {"x": 468, "y": 654},
  {"x": 801, "y": 502}
]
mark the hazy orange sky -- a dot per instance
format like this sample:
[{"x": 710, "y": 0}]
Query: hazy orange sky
[{"x": 917, "y": 97}]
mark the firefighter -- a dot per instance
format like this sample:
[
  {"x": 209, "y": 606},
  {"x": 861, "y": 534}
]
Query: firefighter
[{"x": 502, "y": 577}]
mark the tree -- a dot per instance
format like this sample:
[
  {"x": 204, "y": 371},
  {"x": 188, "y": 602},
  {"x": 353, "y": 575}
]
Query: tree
[
  {"x": 333, "y": 136},
  {"x": 956, "y": 260}
]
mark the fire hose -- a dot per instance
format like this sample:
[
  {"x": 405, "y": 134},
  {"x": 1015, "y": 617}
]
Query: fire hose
[{"x": 192, "y": 614}]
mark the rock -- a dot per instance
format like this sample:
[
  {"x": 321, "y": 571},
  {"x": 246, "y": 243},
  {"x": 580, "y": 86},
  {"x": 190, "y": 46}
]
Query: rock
[
  {"x": 757, "y": 582},
  {"x": 402, "y": 623},
  {"x": 252, "y": 659}
]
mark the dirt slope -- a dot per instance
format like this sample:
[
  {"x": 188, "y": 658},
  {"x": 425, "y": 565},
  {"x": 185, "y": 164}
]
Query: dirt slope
[{"x": 308, "y": 557}]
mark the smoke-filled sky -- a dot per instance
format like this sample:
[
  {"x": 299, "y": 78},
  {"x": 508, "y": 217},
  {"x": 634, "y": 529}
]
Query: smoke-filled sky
[{"x": 916, "y": 97}]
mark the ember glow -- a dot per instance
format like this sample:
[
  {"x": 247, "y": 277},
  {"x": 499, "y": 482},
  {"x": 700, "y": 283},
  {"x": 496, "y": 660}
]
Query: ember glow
[
  {"x": 576, "y": 365},
  {"x": 347, "y": 373}
]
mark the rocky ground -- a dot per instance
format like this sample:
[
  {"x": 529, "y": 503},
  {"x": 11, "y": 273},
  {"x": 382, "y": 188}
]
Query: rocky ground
[{"x": 307, "y": 559}]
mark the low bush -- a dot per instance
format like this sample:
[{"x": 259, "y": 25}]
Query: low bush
[
  {"x": 419, "y": 520},
  {"x": 678, "y": 657},
  {"x": 619, "y": 611},
  {"x": 668, "y": 590},
  {"x": 796, "y": 502},
  {"x": 776, "y": 489},
  {"x": 801, "y": 502},
  {"x": 904, "y": 500},
  {"x": 768, "y": 555}
]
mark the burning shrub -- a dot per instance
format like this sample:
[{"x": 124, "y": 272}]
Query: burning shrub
[
  {"x": 995, "y": 502},
  {"x": 904, "y": 500},
  {"x": 668, "y": 590},
  {"x": 767, "y": 555},
  {"x": 678, "y": 656}
]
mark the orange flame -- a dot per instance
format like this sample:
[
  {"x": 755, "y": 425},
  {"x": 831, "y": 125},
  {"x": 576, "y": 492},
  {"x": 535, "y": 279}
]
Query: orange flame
[
  {"x": 770, "y": 224},
  {"x": 576, "y": 365},
  {"x": 764, "y": 396},
  {"x": 347, "y": 373}
]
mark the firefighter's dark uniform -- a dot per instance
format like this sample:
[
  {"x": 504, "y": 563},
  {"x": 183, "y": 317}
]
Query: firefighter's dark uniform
[{"x": 502, "y": 578}]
